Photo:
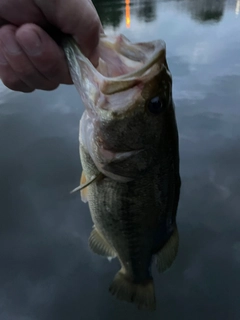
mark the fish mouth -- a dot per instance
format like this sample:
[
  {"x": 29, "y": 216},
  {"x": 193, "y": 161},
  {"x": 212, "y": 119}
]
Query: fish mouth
[{"x": 123, "y": 65}]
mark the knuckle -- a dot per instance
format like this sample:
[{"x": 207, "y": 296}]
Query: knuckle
[
  {"x": 7, "y": 30},
  {"x": 49, "y": 86},
  {"x": 52, "y": 69},
  {"x": 13, "y": 83},
  {"x": 24, "y": 70},
  {"x": 26, "y": 89}
]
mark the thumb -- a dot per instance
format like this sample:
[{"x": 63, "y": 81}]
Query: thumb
[{"x": 78, "y": 18}]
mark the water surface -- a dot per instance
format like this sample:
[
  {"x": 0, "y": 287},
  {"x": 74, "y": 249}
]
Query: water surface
[{"x": 47, "y": 271}]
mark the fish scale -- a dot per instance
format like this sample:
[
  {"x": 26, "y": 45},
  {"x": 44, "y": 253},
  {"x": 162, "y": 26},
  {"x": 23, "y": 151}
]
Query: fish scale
[
  {"x": 125, "y": 218},
  {"x": 129, "y": 153}
]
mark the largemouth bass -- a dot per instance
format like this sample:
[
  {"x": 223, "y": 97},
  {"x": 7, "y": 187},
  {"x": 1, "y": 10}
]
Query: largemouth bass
[{"x": 130, "y": 159}]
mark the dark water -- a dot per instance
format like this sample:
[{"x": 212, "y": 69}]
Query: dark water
[{"x": 46, "y": 269}]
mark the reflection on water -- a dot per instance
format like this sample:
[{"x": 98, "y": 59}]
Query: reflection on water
[
  {"x": 206, "y": 10},
  {"x": 111, "y": 12},
  {"x": 47, "y": 271},
  {"x": 237, "y": 10},
  {"x": 128, "y": 13},
  {"x": 146, "y": 10}
]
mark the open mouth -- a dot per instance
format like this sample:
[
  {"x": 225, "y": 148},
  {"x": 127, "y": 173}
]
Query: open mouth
[
  {"x": 123, "y": 59},
  {"x": 122, "y": 64}
]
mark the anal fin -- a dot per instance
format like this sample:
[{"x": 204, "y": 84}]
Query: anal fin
[
  {"x": 100, "y": 246},
  {"x": 166, "y": 256}
]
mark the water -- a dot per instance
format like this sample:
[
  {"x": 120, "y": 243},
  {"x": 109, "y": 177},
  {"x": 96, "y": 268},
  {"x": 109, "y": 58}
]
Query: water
[{"x": 46, "y": 269}]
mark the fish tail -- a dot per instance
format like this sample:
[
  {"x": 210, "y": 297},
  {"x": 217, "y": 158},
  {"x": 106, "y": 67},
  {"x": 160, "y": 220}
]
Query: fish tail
[{"x": 142, "y": 294}]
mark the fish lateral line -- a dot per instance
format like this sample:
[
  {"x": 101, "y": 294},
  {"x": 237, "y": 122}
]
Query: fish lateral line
[{"x": 94, "y": 178}]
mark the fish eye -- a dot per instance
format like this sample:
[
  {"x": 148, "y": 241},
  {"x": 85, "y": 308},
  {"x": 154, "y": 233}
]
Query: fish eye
[{"x": 155, "y": 105}]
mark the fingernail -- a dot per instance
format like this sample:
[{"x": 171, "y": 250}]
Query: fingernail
[{"x": 31, "y": 43}]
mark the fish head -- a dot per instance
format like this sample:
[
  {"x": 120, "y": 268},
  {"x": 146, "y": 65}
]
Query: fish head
[{"x": 128, "y": 98}]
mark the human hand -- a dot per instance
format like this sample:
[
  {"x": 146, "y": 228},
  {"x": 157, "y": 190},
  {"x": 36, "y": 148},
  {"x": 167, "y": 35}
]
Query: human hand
[{"x": 29, "y": 58}]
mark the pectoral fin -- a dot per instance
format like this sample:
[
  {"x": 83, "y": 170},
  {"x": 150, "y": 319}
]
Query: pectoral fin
[
  {"x": 83, "y": 192},
  {"x": 166, "y": 256},
  {"x": 87, "y": 183},
  {"x": 99, "y": 245}
]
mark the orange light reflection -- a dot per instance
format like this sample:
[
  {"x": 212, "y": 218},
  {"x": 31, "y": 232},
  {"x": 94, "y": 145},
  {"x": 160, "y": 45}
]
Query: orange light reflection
[{"x": 128, "y": 14}]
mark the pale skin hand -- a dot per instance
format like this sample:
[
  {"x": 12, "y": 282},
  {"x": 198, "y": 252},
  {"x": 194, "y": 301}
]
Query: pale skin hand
[{"x": 29, "y": 58}]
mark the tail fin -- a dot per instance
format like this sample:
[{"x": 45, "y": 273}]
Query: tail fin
[{"x": 141, "y": 294}]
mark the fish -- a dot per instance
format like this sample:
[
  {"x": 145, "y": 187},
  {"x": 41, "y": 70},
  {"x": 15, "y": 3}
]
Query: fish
[{"x": 129, "y": 151}]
